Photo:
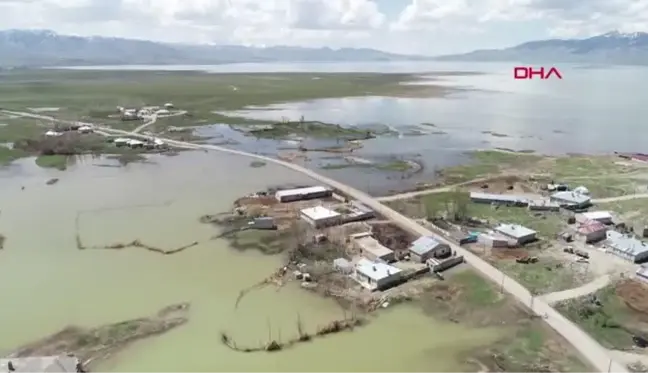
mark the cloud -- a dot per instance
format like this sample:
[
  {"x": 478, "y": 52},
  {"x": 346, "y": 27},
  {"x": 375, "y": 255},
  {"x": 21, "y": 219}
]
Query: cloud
[{"x": 561, "y": 17}]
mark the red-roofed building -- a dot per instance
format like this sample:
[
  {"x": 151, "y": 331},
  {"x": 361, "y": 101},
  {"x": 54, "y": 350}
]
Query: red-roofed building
[{"x": 592, "y": 231}]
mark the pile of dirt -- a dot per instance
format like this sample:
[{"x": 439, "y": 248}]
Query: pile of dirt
[
  {"x": 392, "y": 236},
  {"x": 505, "y": 253},
  {"x": 633, "y": 293}
]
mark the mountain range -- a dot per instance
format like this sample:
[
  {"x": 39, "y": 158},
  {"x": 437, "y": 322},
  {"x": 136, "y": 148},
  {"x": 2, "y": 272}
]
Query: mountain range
[
  {"x": 34, "y": 48},
  {"x": 611, "y": 48},
  {"x": 31, "y": 48}
]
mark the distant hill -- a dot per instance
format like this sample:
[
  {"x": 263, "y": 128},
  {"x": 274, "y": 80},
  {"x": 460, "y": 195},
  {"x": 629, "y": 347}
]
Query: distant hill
[
  {"x": 610, "y": 48},
  {"x": 29, "y": 48}
]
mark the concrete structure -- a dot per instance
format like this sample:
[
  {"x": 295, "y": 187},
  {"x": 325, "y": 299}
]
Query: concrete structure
[
  {"x": 320, "y": 217},
  {"x": 121, "y": 141},
  {"x": 135, "y": 143},
  {"x": 642, "y": 273},
  {"x": 168, "y": 105},
  {"x": 626, "y": 246},
  {"x": 438, "y": 265},
  {"x": 40, "y": 364},
  {"x": 357, "y": 212},
  {"x": 543, "y": 205},
  {"x": 371, "y": 248},
  {"x": 493, "y": 240},
  {"x": 518, "y": 233},
  {"x": 265, "y": 222},
  {"x": 343, "y": 266},
  {"x": 427, "y": 247},
  {"x": 300, "y": 194},
  {"x": 85, "y": 129},
  {"x": 604, "y": 217},
  {"x": 571, "y": 199},
  {"x": 592, "y": 231},
  {"x": 504, "y": 199},
  {"x": 376, "y": 275},
  {"x": 51, "y": 133},
  {"x": 599, "y": 357}
]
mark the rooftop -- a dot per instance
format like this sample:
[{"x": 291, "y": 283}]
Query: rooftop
[
  {"x": 625, "y": 243},
  {"x": 543, "y": 202},
  {"x": 514, "y": 230},
  {"x": 498, "y": 197},
  {"x": 41, "y": 364},
  {"x": 374, "y": 270},
  {"x": 571, "y": 197},
  {"x": 319, "y": 213},
  {"x": 371, "y": 245},
  {"x": 591, "y": 226},
  {"x": 424, "y": 244},
  {"x": 301, "y": 191}
]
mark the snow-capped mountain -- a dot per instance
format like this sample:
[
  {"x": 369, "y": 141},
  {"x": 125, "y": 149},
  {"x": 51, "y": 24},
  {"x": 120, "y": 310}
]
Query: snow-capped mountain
[
  {"x": 47, "y": 48},
  {"x": 611, "y": 48}
]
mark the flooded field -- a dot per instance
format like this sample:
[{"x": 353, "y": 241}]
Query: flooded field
[{"x": 52, "y": 284}]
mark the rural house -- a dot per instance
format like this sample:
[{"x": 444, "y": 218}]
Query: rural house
[{"x": 426, "y": 247}]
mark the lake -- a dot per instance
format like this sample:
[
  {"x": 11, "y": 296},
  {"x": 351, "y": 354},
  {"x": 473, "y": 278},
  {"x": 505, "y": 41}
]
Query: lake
[
  {"x": 593, "y": 109},
  {"x": 47, "y": 283}
]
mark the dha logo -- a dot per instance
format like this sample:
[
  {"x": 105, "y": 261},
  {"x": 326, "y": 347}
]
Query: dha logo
[{"x": 527, "y": 73}]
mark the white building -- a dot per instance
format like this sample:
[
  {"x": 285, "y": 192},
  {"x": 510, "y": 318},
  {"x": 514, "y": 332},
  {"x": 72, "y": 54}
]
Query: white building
[
  {"x": 592, "y": 231},
  {"x": 300, "y": 194},
  {"x": 493, "y": 240},
  {"x": 571, "y": 199},
  {"x": 168, "y": 105},
  {"x": 85, "y": 129},
  {"x": 121, "y": 141},
  {"x": 426, "y": 247},
  {"x": 135, "y": 143},
  {"x": 371, "y": 248},
  {"x": 518, "y": 233},
  {"x": 376, "y": 275},
  {"x": 626, "y": 246},
  {"x": 40, "y": 364},
  {"x": 604, "y": 217},
  {"x": 320, "y": 216},
  {"x": 504, "y": 199},
  {"x": 51, "y": 133}
]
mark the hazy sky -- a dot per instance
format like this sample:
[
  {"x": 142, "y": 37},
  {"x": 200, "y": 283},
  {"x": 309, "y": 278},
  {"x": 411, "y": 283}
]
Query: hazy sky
[{"x": 409, "y": 26}]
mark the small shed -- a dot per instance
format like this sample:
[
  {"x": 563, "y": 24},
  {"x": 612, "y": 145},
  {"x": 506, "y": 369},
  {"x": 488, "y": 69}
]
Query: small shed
[
  {"x": 592, "y": 231},
  {"x": 264, "y": 222},
  {"x": 343, "y": 266},
  {"x": 427, "y": 247}
]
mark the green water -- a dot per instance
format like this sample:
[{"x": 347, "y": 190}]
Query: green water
[{"x": 47, "y": 283}]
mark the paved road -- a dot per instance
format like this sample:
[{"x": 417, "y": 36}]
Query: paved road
[
  {"x": 589, "y": 288},
  {"x": 598, "y": 356}
]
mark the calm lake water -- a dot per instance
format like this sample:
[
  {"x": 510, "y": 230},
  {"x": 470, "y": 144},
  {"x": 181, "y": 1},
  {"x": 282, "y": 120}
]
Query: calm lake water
[
  {"x": 593, "y": 109},
  {"x": 48, "y": 284}
]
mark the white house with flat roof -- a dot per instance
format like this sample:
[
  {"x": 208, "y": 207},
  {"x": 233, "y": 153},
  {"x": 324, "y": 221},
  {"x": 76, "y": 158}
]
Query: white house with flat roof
[
  {"x": 571, "y": 199},
  {"x": 626, "y": 246},
  {"x": 376, "y": 275},
  {"x": 320, "y": 216},
  {"x": 516, "y": 232},
  {"x": 300, "y": 194}
]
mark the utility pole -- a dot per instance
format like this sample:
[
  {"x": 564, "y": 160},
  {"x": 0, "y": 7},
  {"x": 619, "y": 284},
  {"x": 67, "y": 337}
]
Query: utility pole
[{"x": 502, "y": 284}]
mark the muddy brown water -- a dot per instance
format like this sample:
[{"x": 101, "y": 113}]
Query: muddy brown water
[{"x": 48, "y": 284}]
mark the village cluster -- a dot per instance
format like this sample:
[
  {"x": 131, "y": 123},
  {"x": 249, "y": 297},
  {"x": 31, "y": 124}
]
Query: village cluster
[
  {"x": 584, "y": 230},
  {"x": 372, "y": 264},
  {"x": 127, "y": 114}
]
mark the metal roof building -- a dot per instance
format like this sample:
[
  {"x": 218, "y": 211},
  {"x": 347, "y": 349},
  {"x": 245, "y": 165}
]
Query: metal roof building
[
  {"x": 517, "y": 232},
  {"x": 290, "y": 195},
  {"x": 604, "y": 217},
  {"x": 426, "y": 247},
  {"x": 479, "y": 197},
  {"x": 375, "y": 275},
  {"x": 571, "y": 198},
  {"x": 627, "y": 246}
]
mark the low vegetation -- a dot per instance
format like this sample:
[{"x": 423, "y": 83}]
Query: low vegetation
[
  {"x": 612, "y": 315},
  {"x": 56, "y": 161}
]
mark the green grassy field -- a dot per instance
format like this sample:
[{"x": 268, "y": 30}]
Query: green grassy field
[{"x": 96, "y": 94}]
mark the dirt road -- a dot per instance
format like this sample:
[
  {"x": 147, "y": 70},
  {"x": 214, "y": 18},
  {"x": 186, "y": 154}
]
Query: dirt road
[{"x": 589, "y": 288}]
